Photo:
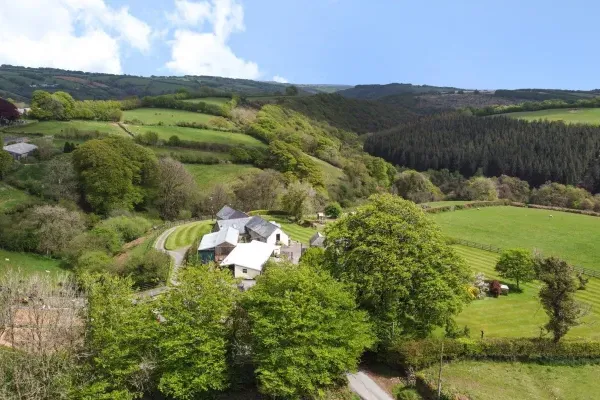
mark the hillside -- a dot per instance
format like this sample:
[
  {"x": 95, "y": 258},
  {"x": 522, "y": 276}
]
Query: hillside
[
  {"x": 374, "y": 92},
  {"x": 19, "y": 83}
]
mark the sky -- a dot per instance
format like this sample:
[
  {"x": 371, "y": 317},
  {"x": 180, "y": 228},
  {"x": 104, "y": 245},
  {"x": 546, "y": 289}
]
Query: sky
[{"x": 462, "y": 43}]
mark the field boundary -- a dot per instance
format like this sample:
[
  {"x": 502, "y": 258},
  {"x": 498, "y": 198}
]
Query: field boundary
[{"x": 495, "y": 249}]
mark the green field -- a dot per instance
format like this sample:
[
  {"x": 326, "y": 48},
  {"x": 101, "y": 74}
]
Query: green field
[
  {"x": 572, "y": 237},
  {"x": 331, "y": 174},
  {"x": 501, "y": 380},
  {"x": 294, "y": 231},
  {"x": 56, "y": 127},
  {"x": 436, "y": 204},
  {"x": 185, "y": 235},
  {"x": 568, "y": 115},
  {"x": 174, "y": 152},
  {"x": 208, "y": 176},
  {"x": 519, "y": 314},
  {"x": 152, "y": 116},
  {"x": 11, "y": 197},
  {"x": 210, "y": 100},
  {"x": 29, "y": 263},
  {"x": 198, "y": 135}
]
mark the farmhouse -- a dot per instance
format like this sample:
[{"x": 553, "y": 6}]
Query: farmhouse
[
  {"x": 216, "y": 246},
  {"x": 248, "y": 259},
  {"x": 255, "y": 228},
  {"x": 20, "y": 150},
  {"x": 227, "y": 212}
]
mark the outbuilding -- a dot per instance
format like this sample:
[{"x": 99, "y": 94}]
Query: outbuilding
[
  {"x": 218, "y": 245},
  {"x": 248, "y": 259},
  {"x": 20, "y": 151}
]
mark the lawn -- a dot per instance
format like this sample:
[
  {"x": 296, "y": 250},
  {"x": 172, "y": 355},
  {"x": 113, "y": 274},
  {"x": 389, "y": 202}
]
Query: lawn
[
  {"x": 29, "y": 263},
  {"x": 294, "y": 231},
  {"x": 208, "y": 176},
  {"x": 185, "y": 235},
  {"x": 519, "y": 314},
  {"x": 568, "y": 115},
  {"x": 210, "y": 100},
  {"x": 152, "y": 116},
  {"x": 572, "y": 237},
  {"x": 11, "y": 197},
  {"x": 56, "y": 127},
  {"x": 198, "y": 135},
  {"x": 502, "y": 380}
]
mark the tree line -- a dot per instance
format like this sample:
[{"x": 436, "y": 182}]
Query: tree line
[
  {"x": 536, "y": 152},
  {"x": 60, "y": 106},
  {"x": 536, "y": 106}
]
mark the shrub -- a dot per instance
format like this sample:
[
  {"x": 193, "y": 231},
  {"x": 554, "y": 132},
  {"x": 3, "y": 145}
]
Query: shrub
[
  {"x": 333, "y": 210},
  {"x": 107, "y": 239},
  {"x": 150, "y": 269},
  {"x": 94, "y": 261},
  {"x": 128, "y": 228},
  {"x": 495, "y": 288},
  {"x": 407, "y": 394}
]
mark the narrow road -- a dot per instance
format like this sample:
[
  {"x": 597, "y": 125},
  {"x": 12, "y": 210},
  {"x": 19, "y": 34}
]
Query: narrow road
[
  {"x": 366, "y": 388},
  {"x": 177, "y": 255}
]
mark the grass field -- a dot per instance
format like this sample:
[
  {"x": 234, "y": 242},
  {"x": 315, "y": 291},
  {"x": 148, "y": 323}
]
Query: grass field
[
  {"x": 294, "y": 231},
  {"x": 568, "y": 115},
  {"x": 331, "y": 174},
  {"x": 572, "y": 237},
  {"x": 11, "y": 197},
  {"x": 152, "y": 116},
  {"x": 56, "y": 127},
  {"x": 435, "y": 204},
  {"x": 185, "y": 235},
  {"x": 210, "y": 100},
  {"x": 519, "y": 314},
  {"x": 198, "y": 135},
  {"x": 29, "y": 263},
  {"x": 170, "y": 151},
  {"x": 500, "y": 380},
  {"x": 208, "y": 176}
]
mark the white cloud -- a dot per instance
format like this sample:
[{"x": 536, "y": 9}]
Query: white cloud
[
  {"x": 73, "y": 34},
  {"x": 280, "y": 79},
  {"x": 195, "y": 52}
]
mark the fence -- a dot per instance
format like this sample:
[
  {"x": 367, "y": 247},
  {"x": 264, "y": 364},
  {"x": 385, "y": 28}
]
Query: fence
[{"x": 494, "y": 249}]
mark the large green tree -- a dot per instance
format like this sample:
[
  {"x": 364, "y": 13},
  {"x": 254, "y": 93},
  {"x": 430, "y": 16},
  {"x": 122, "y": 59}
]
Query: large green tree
[
  {"x": 305, "y": 331},
  {"x": 516, "y": 264},
  {"x": 415, "y": 186},
  {"x": 558, "y": 296},
  {"x": 194, "y": 333},
  {"x": 404, "y": 274}
]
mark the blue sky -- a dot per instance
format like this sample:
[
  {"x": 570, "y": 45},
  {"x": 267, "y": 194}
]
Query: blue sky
[{"x": 471, "y": 44}]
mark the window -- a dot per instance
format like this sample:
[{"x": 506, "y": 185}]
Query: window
[
  {"x": 245, "y": 271},
  {"x": 278, "y": 237}
]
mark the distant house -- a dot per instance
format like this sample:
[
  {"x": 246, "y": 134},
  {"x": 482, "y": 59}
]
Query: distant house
[
  {"x": 20, "y": 150},
  {"x": 317, "y": 240},
  {"x": 248, "y": 259},
  {"x": 227, "y": 212},
  {"x": 216, "y": 246},
  {"x": 255, "y": 228}
]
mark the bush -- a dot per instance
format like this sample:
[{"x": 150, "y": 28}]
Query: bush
[
  {"x": 495, "y": 288},
  {"x": 107, "y": 239},
  {"x": 128, "y": 228},
  {"x": 94, "y": 261},
  {"x": 407, "y": 394},
  {"x": 150, "y": 269},
  {"x": 333, "y": 210}
]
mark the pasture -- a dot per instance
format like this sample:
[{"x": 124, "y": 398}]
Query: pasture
[
  {"x": 29, "y": 263},
  {"x": 219, "y": 101},
  {"x": 568, "y": 115},
  {"x": 572, "y": 237},
  {"x": 175, "y": 152},
  {"x": 198, "y": 135},
  {"x": 11, "y": 197},
  {"x": 154, "y": 116},
  {"x": 295, "y": 231},
  {"x": 503, "y": 380},
  {"x": 58, "y": 127},
  {"x": 519, "y": 314},
  {"x": 436, "y": 204},
  {"x": 208, "y": 176},
  {"x": 187, "y": 234}
]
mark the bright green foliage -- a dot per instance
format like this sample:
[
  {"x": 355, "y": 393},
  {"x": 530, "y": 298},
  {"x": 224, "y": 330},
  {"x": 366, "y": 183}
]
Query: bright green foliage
[
  {"x": 61, "y": 106},
  {"x": 305, "y": 329},
  {"x": 107, "y": 238},
  {"x": 516, "y": 264},
  {"x": 558, "y": 296},
  {"x": 287, "y": 158},
  {"x": 149, "y": 269},
  {"x": 129, "y": 228},
  {"x": 120, "y": 340},
  {"x": 94, "y": 261},
  {"x": 6, "y": 161},
  {"x": 333, "y": 210},
  {"x": 417, "y": 187},
  {"x": 481, "y": 188},
  {"x": 405, "y": 275},
  {"x": 194, "y": 334},
  {"x": 298, "y": 200}
]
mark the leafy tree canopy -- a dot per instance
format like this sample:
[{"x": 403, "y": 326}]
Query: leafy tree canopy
[{"x": 516, "y": 264}]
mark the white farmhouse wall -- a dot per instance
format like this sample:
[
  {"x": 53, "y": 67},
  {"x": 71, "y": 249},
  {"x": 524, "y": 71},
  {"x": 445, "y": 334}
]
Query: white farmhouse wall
[
  {"x": 283, "y": 238},
  {"x": 238, "y": 272}
]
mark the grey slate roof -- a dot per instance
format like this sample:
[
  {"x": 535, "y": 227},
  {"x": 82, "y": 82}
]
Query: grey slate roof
[
  {"x": 261, "y": 227},
  {"x": 20, "y": 148},
  {"x": 317, "y": 240},
  {"x": 227, "y": 212},
  {"x": 212, "y": 240},
  {"x": 239, "y": 224}
]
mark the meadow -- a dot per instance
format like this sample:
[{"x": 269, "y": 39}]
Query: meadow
[
  {"x": 208, "y": 176},
  {"x": 436, "y": 204},
  {"x": 154, "y": 116},
  {"x": 187, "y": 234},
  {"x": 504, "y": 380},
  {"x": 11, "y": 197},
  {"x": 181, "y": 152},
  {"x": 57, "y": 127},
  {"x": 219, "y": 101},
  {"x": 29, "y": 263},
  {"x": 198, "y": 135},
  {"x": 572, "y": 237},
  {"x": 567, "y": 115},
  {"x": 519, "y": 314}
]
